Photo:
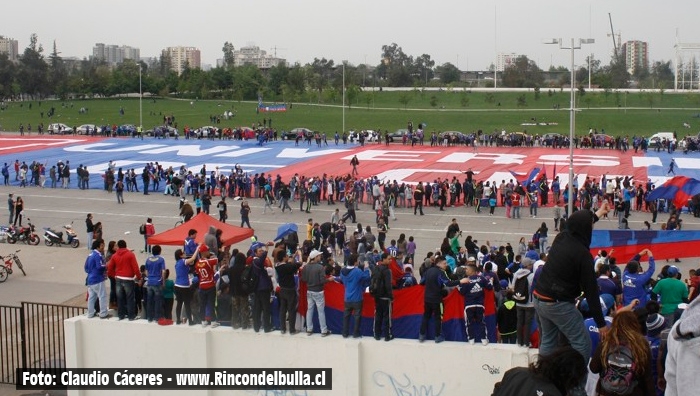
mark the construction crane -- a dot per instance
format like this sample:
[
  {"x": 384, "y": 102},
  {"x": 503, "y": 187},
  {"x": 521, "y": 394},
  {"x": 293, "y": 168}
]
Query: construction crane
[
  {"x": 612, "y": 34},
  {"x": 275, "y": 48}
]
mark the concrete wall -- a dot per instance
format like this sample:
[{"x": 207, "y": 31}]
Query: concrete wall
[{"x": 360, "y": 367}]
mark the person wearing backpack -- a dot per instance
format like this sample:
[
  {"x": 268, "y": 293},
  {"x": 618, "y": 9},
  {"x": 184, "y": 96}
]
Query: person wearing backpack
[
  {"x": 623, "y": 359},
  {"x": 524, "y": 306}
]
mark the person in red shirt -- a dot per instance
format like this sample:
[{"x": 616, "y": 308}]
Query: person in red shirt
[
  {"x": 150, "y": 231},
  {"x": 205, "y": 268},
  {"x": 126, "y": 272},
  {"x": 515, "y": 197}
]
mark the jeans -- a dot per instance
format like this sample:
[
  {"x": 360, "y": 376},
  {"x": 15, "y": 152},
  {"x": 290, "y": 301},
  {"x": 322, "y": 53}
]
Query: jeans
[
  {"x": 154, "y": 302},
  {"x": 98, "y": 291},
  {"x": 317, "y": 301},
  {"x": 562, "y": 319},
  {"x": 89, "y": 240},
  {"x": 262, "y": 310},
  {"x": 207, "y": 297},
  {"x": 516, "y": 212},
  {"x": 126, "y": 300},
  {"x": 525, "y": 316},
  {"x": 353, "y": 308},
  {"x": 120, "y": 196},
  {"x": 543, "y": 244}
]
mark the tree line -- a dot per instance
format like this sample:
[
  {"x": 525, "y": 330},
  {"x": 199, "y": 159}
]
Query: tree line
[{"x": 37, "y": 76}]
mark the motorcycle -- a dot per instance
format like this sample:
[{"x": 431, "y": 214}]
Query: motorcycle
[
  {"x": 24, "y": 234},
  {"x": 52, "y": 237}
]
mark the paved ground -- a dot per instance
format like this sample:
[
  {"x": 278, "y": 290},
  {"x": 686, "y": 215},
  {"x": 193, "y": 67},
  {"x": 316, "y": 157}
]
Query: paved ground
[{"x": 55, "y": 274}]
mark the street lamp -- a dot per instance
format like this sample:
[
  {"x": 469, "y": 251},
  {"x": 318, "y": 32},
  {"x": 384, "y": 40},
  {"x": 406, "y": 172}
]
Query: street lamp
[
  {"x": 140, "y": 98},
  {"x": 343, "y": 97},
  {"x": 572, "y": 113}
]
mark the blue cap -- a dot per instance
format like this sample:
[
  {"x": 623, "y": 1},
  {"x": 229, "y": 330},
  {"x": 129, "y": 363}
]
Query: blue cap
[{"x": 672, "y": 271}]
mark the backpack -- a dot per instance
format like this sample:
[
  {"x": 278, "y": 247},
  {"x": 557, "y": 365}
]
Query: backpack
[
  {"x": 249, "y": 279},
  {"x": 375, "y": 282},
  {"x": 618, "y": 378},
  {"x": 536, "y": 239},
  {"x": 521, "y": 290},
  {"x": 142, "y": 229}
]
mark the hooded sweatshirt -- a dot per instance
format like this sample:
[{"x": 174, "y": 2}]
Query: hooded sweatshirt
[
  {"x": 569, "y": 267},
  {"x": 210, "y": 240},
  {"x": 683, "y": 357},
  {"x": 522, "y": 273},
  {"x": 125, "y": 264},
  {"x": 355, "y": 281}
]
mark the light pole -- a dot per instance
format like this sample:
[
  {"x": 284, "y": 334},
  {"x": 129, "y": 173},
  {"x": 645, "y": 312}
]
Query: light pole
[
  {"x": 140, "y": 98},
  {"x": 572, "y": 114},
  {"x": 343, "y": 97}
]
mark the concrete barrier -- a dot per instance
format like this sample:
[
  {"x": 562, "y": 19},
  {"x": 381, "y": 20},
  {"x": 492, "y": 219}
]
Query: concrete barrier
[{"x": 360, "y": 366}]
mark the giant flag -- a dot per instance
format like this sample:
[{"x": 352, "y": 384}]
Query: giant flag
[
  {"x": 679, "y": 190},
  {"x": 663, "y": 244}
]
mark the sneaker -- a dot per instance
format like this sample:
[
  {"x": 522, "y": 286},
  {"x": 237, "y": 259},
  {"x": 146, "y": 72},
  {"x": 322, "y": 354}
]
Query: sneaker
[
  {"x": 326, "y": 333},
  {"x": 283, "y": 331},
  {"x": 205, "y": 324},
  {"x": 421, "y": 337},
  {"x": 377, "y": 338},
  {"x": 389, "y": 338},
  {"x": 309, "y": 333},
  {"x": 439, "y": 339},
  {"x": 484, "y": 341},
  {"x": 215, "y": 324},
  {"x": 293, "y": 332},
  {"x": 471, "y": 342},
  {"x": 106, "y": 316}
]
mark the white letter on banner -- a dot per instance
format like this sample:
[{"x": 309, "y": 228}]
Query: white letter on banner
[
  {"x": 95, "y": 148},
  {"x": 391, "y": 155},
  {"x": 580, "y": 160},
  {"x": 497, "y": 158}
]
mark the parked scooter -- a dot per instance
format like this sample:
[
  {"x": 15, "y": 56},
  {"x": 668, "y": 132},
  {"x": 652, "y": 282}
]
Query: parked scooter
[
  {"x": 23, "y": 234},
  {"x": 52, "y": 237}
]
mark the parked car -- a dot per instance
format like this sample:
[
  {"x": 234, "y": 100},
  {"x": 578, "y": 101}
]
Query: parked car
[
  {"x": 604, "y": 140},
  {"x": 397, "y": 136},
  {"x": 208, "y": 131},
  {"x": 292, "y": 135},
  {"x": 548, "y": 138},
  {"x": 370, "y": 136},
  {"x": 658, "y": 138},
  {"x": 87, "y": 129},
  {"x": 161, "y": 131},
  {"x": 59, "y": 129}
]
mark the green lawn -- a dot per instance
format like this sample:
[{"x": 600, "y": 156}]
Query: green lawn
[{"x": 617, "y": 113}]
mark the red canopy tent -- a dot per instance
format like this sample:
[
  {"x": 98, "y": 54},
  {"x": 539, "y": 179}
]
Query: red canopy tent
[{"x": 201, "y": 222}]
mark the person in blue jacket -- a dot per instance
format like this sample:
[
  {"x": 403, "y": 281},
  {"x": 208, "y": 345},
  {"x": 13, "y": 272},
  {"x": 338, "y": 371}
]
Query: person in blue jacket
[
  {"x": 355, "y": 277},
  {"x": 634, "y": 280}
]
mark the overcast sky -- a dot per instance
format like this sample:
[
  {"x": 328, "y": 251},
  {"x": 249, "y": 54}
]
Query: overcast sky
[{"x": 465, "y": 33}]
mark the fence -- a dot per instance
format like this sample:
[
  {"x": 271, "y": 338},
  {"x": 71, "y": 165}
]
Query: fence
[{"x": 33, "y": 337}]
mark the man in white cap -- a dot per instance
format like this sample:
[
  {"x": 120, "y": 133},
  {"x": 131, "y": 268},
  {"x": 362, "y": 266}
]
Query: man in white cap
[{"x": 314, "y": 274}]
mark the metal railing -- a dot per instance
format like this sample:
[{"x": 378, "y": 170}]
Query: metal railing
[{"x": 32, "y": 336}]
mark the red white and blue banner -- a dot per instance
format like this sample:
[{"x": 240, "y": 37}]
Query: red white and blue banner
[{"x": 664, "y": 244}]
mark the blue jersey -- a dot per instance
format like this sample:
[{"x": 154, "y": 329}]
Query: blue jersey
[{"x": 473, "y": 291}]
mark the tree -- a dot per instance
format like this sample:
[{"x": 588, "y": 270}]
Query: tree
[
  {"x": 662, "y": 74},
  {"x": 276, "y": 78},
  {"x": 33, "y": 77},
  {"x": 396, "y": 66},
  {"x": 228, "y": 54},
  {"x": 8, "y": 72},
  {"x": 433, "y": 100},
  {"x": 464, "y": 100},
  {"x": 423, "y": 67},
  {"x": 351, "y": 94},
  {"x": 448, "y": 73},
  {"x": 404, "y": 98},
  {"x": 58, "y": 74},
  {"x": 523, "y": 73}
]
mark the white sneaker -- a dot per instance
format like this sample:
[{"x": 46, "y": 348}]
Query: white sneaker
[
  {"x": 205, "y": 324},
  {"x": 471, "y": 342},
  {"x": 214, "y": 324},
  {"x": 485, "y": 341}
]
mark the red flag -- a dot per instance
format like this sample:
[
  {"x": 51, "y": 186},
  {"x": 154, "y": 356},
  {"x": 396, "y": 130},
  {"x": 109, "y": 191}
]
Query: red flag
[{"x": 554, "y": 172}]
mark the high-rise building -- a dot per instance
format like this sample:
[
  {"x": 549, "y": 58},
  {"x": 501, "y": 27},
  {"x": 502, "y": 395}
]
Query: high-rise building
[
  {"x": 114, "y": 54},
  {"x": 10, "y": 47},
  {"x": 181, "y": 56},
  {"x": 253, "y": 55},
  {"x": 636, "y": 55},
  {"x": 505, "y": 60}
]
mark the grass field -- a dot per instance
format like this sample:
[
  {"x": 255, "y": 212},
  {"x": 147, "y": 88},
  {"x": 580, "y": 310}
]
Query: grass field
[{"x": 616, "y": 113}]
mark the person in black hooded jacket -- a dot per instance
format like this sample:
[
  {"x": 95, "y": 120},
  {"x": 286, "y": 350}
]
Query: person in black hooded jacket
[{"x": 568, "y": 272}]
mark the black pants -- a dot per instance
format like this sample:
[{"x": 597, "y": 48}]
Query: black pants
[
  {"x": 418, "y": 206},
  {"x": 429, "y": 310},
  {"x": 262, "y": 311},
  {"x": 288, "y": 308},
  {"x": 183, "y": 295},
  {"x": 382, "y": 318}
]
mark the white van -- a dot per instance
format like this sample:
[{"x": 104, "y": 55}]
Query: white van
[{"x": 659, "y": 137}]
